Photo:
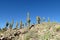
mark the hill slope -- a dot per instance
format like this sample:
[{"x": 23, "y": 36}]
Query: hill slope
[{"x": 43, "y": 31}]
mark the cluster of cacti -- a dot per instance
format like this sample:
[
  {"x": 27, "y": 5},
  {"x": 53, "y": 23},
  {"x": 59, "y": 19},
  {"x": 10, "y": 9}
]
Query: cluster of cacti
[
  {"x": 39, "y": 31},
  {"x": 38, "y": 19},
  {"x": 10, "y": 25}
]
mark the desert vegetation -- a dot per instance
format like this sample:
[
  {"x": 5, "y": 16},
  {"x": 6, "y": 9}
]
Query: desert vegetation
[{"x": 41, "y": 30}]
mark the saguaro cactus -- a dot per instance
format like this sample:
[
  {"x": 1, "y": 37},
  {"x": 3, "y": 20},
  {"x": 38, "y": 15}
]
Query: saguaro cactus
[
  {"x": 21, "y": 24},
  {"x": 7, "y": 24},
  {"x": 16, "y": 25},
  {"x": 11, "y": 24},
  {"x": 28, "y": 19},
  {"x": 38, "y": 19}
]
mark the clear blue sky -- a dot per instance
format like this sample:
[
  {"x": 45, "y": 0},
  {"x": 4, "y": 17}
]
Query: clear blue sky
[{"x": 17, "y": 10}]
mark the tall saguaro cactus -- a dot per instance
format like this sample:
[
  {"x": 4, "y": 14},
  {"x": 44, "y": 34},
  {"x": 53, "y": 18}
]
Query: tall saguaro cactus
[
  {"x": 21, "y": 24},
  {"x": 28, "y": 19},
  {"x": 38, "y": 19}
]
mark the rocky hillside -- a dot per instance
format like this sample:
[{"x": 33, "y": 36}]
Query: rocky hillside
[{"x": 43, "y": 31}]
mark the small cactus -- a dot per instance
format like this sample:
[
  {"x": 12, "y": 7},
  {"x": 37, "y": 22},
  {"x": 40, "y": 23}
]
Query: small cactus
[{"x": 38, "y": 19}]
